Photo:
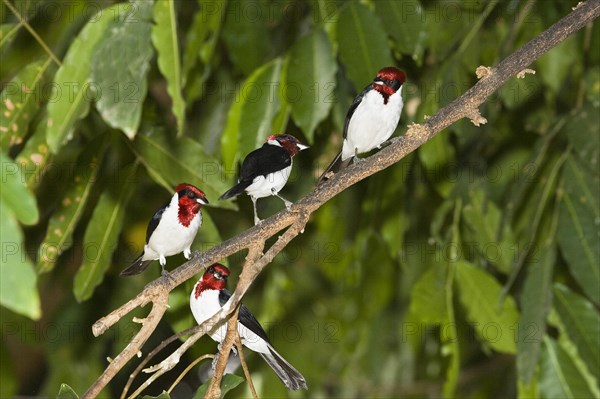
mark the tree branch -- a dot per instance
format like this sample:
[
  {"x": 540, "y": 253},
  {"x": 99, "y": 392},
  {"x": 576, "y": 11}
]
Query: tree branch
[{"x": 297, "y": 216}]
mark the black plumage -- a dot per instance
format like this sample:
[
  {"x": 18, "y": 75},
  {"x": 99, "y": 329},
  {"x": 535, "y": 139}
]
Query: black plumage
[
  {"x": 291, "y": 377},
  {"x": 260, "y": 162}
]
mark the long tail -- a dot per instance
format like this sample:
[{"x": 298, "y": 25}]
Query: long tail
[
  {"x": 291, "y": 378},
  {"x": 235, "y": 190},
  {"x": 136, "y": 267},
  {"x": 334, "y": 167}
]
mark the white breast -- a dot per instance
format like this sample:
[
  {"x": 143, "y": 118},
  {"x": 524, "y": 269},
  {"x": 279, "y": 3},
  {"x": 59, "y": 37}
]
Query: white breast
[
  {"x": 372, "y": 123},
  {"x": 262, "y": 185},
  {"x": 170, "y": 237},
  {"x": 207, "y": 305}
]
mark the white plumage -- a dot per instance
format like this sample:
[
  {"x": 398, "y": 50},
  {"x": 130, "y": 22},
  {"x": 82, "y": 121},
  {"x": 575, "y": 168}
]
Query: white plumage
[
  {"x": 171, "y": 237},
  {"x": 372, "y": 123}
]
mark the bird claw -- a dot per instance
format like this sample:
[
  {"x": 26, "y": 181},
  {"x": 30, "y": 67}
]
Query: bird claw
[
  {"x": 187, "y": 254},
  {"x": 257, "y": 221},
  {"x": 165, "y": 273},
  {"x": 218, "y": 354},
  {"x": 384, "y": 144}
]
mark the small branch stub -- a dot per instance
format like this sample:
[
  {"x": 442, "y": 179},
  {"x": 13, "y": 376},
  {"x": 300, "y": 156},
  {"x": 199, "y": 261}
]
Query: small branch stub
[
  {"x": 483, "y": 72},
  {"x": 524, "y": 72},
  {"x": 476, "y": 118}
]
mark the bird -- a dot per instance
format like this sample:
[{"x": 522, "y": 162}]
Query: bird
[
  {"x": 172, "y": 229},
  {"x": 371, "y": 119},
  {"x": 266, "y": 170},
  {"x": 209, "y": 296}
]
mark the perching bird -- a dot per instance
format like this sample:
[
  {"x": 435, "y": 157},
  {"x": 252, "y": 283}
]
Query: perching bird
[
  {"x": 266, "y": 170},
  {"x": 172, "y": 229},
  {"x": 208, "y": 297},
  {"x": 371, "y": 119}
]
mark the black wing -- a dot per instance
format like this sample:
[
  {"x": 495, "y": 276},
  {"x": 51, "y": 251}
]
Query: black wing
[
  {"x": 353, "y": 106},
  {"x": 245, "y": 317},
  {"x": 267, "y": 159},
  {"x": 155, "y": 220}
]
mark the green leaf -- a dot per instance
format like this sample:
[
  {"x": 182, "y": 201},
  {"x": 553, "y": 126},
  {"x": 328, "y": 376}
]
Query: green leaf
[
  {"x": 405, "y": 23},
  {"x": 438, "y": 155},
  {"x": 64, "y": 220},
  {"x": 21, "y": 101},
  {"x": 536, "y": 300},
  {"x": 559, "y": 376},
  {"x": 517, "y": 92},
  {"x": 7, "y": 34},
  {"x": 119, "y": 67},
  {"x": 581, "y": 323},
  {"x": 479, "y": 293},
  {"x": 230, "y": 137},
  {"x": 449, "y": 334},
  {"x": 171, "y": 161},
  {"x": 164, "y": 37},
  {"x": 556, "y": 66},
  {"x": 260, "y": 105},
  {"x": 362, "y": 44},
  {"x": 201, "y": 40},
  {"x": 483, "y": 217},
  {"x": 428, "y": 297},
  {"x": 15, "y": 194},
  {"x": 228, "y": 382},
  {"x": 18, "y": 290},
  {"x": 72, "y": 89},
  {"x": 66, "y": 392},
  {"x": 245, "y": 34},
  {"x": 311, "y": 74},
  {"x": 578, "y": 128},
  {"x": 282, "y": 117},
  {"x": 252, "y": 112},
  {"x": 579, "y": 229},
  {"x": 102, "y": 233},
  {"x": 35, "y": 156}
]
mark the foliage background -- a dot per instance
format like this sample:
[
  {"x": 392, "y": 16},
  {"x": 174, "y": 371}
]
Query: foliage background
[{"x": 468, "y": 269}]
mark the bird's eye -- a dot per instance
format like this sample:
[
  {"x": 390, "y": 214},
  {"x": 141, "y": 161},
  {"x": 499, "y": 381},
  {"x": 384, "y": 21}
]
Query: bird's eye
[{"x": 190, "y": 194}]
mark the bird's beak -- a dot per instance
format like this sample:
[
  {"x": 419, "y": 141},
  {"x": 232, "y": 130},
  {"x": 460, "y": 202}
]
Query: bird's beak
[
  {"x": 302, "y": 146},
  {"x": 379, "y": 82},
  {"x": 202, "y": 201}
]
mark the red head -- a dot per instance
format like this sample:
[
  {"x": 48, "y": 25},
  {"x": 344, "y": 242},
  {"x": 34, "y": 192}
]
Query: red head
[
  {"x": 289, "y": 143},
  {"x": 214, "y": 278},
  {"x": 191, "y": 200},
  {"x": 388, "y": 81}
]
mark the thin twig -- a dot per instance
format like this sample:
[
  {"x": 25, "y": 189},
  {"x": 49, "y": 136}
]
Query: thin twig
[
  {"x": 33, "y": 33},
  {"x": 214, "y": 389},
  {"x": 240, "y": 349},
  {"x": 187, "y": 369}
]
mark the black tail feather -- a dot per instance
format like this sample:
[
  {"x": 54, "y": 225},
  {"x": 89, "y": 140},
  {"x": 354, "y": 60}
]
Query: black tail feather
[
  {"x": 235, "y": 190},
  {"x": 136, "y": 267},
  {"x": 291, "y": 378},
  {"x": 335, "y": 166}
]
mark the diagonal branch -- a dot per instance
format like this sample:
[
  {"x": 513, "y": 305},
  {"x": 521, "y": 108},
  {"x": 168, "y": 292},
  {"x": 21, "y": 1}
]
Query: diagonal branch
[{"x": 297, "y": 217}]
